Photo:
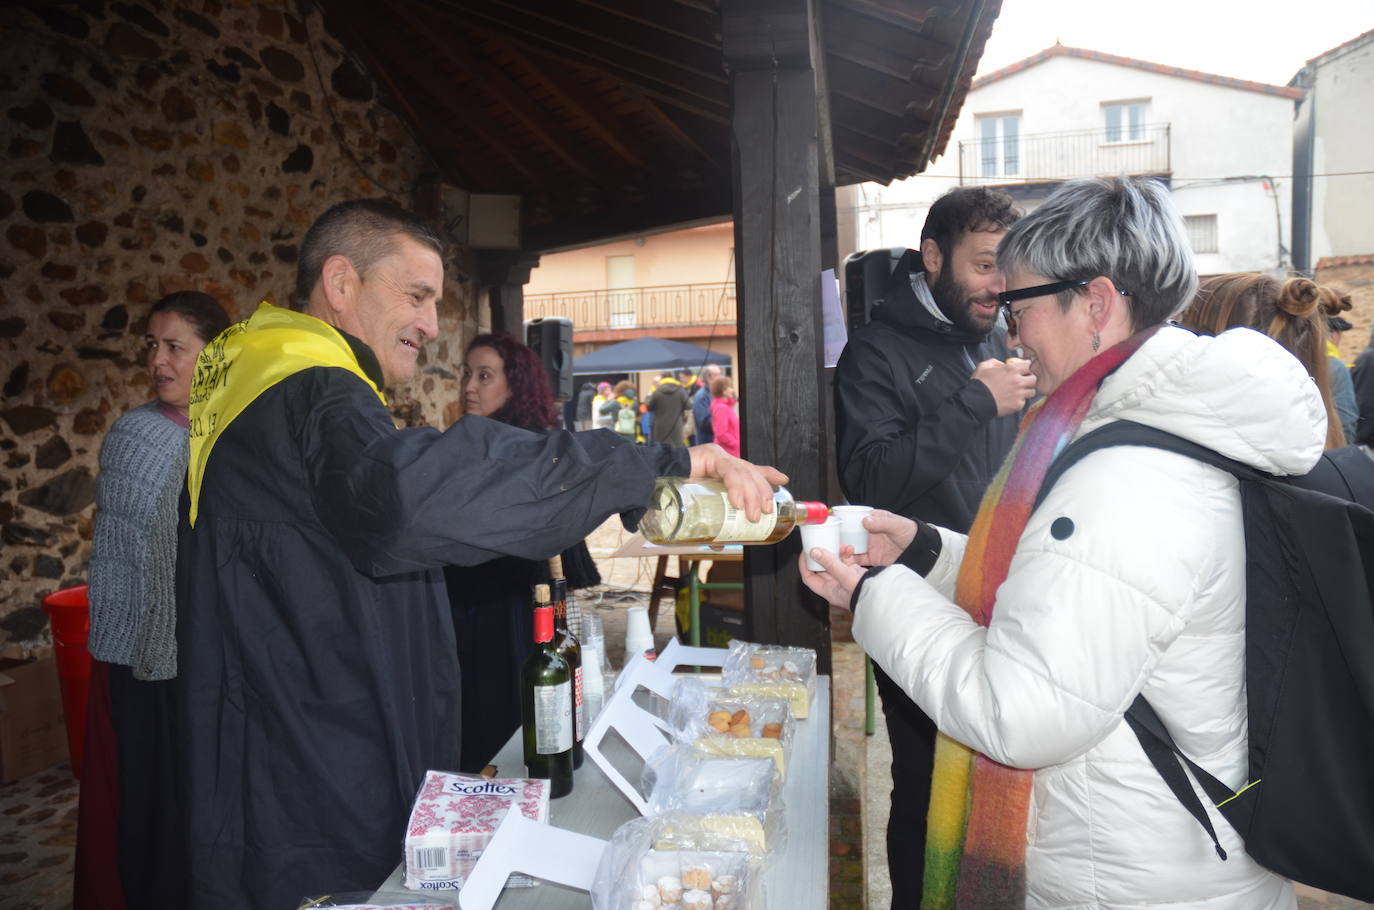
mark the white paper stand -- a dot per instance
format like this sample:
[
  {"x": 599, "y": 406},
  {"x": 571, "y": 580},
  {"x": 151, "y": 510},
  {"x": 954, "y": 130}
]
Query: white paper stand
[
  {"x": 543, "y": 851},
  {"x": 557, "y": 855},
  {"x": 657, "y": 675},
  {"x": 644, "y": 731}
]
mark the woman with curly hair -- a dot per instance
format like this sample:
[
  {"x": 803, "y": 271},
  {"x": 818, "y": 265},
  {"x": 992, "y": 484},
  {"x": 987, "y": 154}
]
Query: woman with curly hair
[
  {"x": 1290, "y": 311},
  {"x": 502, "y": 380}
]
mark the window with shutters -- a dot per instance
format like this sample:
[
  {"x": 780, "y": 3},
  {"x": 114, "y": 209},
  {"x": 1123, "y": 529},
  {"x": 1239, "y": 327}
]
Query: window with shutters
[{"x": 1202, "y": 232}]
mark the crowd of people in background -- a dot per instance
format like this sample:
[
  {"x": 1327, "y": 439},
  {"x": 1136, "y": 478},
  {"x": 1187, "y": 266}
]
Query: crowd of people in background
[{"x": 680, "y": 409}]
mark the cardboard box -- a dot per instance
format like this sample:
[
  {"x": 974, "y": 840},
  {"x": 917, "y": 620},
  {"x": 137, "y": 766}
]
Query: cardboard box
[{"x": 33, "y": 733}]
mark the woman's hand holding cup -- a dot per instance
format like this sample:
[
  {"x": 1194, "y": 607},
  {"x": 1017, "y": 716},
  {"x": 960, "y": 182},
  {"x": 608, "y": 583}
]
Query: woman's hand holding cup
[{"x": 888, "y": 537}]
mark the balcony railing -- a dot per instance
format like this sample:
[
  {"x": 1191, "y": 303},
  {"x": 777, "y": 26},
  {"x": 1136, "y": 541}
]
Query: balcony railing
[
  {"x": 1065, "y": 155},
  {"x": 634, "y": 308}
]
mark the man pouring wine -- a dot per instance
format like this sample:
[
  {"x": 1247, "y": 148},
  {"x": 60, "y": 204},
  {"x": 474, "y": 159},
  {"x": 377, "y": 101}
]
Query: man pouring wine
[{"x": 320, "y": 674}]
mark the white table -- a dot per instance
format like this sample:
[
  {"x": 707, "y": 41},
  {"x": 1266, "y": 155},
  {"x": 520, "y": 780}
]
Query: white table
[{"x": 799, "y": 879}]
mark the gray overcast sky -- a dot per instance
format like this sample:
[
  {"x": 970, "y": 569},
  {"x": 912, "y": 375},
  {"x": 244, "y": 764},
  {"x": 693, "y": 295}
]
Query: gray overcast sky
[{"x": 1262, "y": 40}]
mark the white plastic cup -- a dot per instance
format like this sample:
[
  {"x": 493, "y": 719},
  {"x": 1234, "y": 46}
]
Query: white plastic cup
[
  {"x": 639, "y": 638},
  {"x": 852, "y": 530},
  {"x": 825, "y": 535},
  {"x": 593, "y": 640},
  {"x": 593, "y": 660}
]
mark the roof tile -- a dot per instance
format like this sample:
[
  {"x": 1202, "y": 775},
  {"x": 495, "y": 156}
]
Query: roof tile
[{"x": 1060, "y": 50}]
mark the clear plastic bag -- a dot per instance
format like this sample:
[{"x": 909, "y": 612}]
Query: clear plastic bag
[
  {"x": 677, "y": 860},
  {"x": 772, "y": 671},
  {"x": 720, "y": 722},
  {"x": 680, "y": 779}
]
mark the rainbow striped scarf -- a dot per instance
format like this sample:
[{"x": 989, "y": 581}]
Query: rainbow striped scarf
[{"x": 976, "y": 828}]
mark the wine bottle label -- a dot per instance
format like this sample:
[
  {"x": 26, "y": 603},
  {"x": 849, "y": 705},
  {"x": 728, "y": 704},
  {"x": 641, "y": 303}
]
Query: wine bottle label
[
  {"x": 579, "y": 709},
  {"x": 736, "y": 527},
  {"x": 553, "y": 719}
]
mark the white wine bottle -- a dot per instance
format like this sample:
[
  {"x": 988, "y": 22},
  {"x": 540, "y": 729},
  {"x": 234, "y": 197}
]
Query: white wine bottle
[
  {"x": 699, "y": 511},
  {"x": 546, "y": 704}
]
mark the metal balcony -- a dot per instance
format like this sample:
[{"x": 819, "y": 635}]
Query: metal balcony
[
  {"x": 1064, "y": 156},
  {"x": 634, "y": 308}
]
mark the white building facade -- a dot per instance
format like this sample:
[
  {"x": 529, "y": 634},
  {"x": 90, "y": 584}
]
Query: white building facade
[
  {"x": 1223, "y": 146},
  {"x": 1333, "y": 155}
]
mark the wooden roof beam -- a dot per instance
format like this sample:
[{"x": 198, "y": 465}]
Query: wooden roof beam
[
  {"x": 514, "y": 98},
  {"x": 888, "y": 13},
  {"x": 573, "y": 94},
  {"x": 701, "y": 87},
  {"x": 412, "y": 101},
  {"x": 685, "y": 22},
  {"x": 563, "y": 143},
  {"x": 679, "y": 136},
  {"x": 665, "y": 94}
]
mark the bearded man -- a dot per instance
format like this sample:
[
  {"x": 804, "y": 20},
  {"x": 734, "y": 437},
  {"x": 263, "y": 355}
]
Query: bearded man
[{"x": 925, "y": 411}]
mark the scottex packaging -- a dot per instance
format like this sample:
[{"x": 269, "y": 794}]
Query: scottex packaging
[{"x": 452, "y": 822}]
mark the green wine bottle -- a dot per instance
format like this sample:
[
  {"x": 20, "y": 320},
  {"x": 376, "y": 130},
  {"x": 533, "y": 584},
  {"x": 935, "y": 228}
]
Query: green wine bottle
[
  {"x": 570, "y": 649},
  {"x": 546, "y": 704}
]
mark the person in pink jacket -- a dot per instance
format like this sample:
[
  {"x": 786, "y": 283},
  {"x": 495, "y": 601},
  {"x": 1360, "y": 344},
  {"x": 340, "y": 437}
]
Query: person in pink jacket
[{"x": 724, "y": 419}]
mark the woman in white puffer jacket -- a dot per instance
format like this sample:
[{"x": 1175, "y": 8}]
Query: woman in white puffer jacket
[{"x": 1128, "y": 578}]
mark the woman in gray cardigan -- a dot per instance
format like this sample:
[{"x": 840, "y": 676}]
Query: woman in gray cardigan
[{"x": 128, "y": 780}]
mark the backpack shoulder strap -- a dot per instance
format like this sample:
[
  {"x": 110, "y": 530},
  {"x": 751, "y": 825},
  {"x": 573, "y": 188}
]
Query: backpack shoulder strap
[
  {"x": 1130, "y": 433},
  {"x": 1169, "y": 760}
]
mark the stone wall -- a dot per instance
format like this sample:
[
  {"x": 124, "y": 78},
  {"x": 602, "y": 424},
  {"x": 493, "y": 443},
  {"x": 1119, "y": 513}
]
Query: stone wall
[
  {"x": 154, "y": 147},
  {"x": 1355, "y": 276}
]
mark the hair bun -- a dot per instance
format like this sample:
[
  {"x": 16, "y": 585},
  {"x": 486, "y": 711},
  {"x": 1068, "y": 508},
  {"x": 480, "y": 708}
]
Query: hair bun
[
  {"x": 1334, "y": 302},
  {"x": 1299, "y": 297}
]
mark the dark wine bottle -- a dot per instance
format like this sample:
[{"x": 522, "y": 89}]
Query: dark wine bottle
[
  {"x": 546, "y": 704},
  {"x": 570, "y": 649}
]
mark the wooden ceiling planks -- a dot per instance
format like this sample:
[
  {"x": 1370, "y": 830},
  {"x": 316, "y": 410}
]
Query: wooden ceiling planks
[{"x": 613, "y": 115}]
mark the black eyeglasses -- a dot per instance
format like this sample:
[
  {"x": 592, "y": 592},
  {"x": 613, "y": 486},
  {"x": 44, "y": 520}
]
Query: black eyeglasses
[{"x": 1007, "y": 298}]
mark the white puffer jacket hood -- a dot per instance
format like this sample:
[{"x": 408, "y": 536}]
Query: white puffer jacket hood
[{"x": 1129, "y": 578}]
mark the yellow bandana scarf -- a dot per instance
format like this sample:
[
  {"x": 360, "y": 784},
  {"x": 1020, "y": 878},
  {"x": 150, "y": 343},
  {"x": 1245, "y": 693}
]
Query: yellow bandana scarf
[{"x": 256, "y": 354}]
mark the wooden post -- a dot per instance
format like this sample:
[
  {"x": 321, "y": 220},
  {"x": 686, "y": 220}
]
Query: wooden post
[{"x": 770, "y": 47}]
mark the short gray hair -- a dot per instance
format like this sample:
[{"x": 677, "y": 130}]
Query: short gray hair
[
  {"x": 1126, "y": 229},
  {"x": 364, "y": 231}
]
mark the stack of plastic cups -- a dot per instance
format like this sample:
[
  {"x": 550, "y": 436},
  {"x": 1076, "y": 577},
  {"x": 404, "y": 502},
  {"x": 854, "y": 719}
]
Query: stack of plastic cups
[
  {"x": 593, "y": 662},
  {"x": 639, "y": 638}
]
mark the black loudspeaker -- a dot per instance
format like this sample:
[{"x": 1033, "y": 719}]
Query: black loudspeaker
[
  {"x": 551, "y": 338},
  {"x": 867, "y": 276}
]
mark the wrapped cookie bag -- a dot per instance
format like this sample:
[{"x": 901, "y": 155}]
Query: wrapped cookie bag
[
  {"x": 772, "y": 671},
  {"x": 677, "y": 861},
  {"x": 724, "y": 723},
  {"x": 681, "y": 779}
]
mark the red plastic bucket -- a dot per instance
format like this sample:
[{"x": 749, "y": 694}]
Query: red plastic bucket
[{"x": 70, "y": 616}]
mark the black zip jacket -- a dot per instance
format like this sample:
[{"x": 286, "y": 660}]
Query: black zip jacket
[
  {"x": 914, "y": 433},
  {"x": 318, "y": 671},
  {"x": 1362, "y": 374}
]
